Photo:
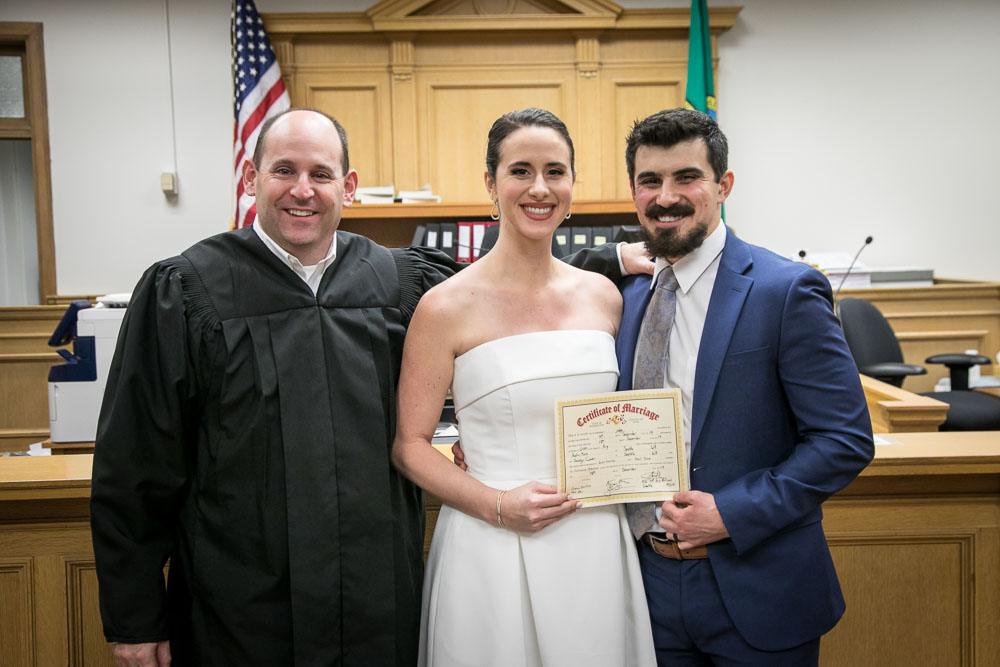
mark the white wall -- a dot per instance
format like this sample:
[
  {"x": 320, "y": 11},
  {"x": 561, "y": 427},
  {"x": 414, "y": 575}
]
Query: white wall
[
  {"x": 110, "y": 132},
  {"x": 854, "y": 117},
  {"x": 845, "y": 119}
]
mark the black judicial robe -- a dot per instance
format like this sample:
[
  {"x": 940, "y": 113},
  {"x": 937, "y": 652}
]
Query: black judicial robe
[{"x": 245, "y": 435}]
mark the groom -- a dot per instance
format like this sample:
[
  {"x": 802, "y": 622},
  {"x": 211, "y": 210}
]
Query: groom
[{"x": 737, "y": 570}]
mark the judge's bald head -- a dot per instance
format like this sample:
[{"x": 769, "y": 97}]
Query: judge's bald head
[
  {"x": 299, "y": 180},
  {"x": 258, "y": 153}
]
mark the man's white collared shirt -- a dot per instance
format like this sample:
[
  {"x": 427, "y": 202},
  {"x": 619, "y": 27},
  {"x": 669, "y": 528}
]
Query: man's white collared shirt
[{"x": 311, "y": 275}]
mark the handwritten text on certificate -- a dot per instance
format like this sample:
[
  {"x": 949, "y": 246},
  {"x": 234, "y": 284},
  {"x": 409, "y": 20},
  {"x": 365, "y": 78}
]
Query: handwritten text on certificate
[{"x": 621, "y": 447}]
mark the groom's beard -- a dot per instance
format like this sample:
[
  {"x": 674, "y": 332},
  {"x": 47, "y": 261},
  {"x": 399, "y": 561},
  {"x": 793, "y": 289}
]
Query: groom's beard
[{"x": 675, "y": 242}]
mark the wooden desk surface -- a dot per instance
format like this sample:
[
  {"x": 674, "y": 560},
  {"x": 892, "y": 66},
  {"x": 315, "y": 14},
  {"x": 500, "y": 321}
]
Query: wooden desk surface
[
  {"x": 915, "y": 453},
  {"x": 937, "y": 453},
  {"x": 23, "y": 477}
]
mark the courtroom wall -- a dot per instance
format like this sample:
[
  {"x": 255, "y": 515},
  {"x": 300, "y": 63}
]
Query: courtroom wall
[{"x": 845, "y": 119}]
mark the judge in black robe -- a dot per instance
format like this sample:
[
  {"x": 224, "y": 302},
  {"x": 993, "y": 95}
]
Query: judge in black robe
[{"x": 245, "y": 435}]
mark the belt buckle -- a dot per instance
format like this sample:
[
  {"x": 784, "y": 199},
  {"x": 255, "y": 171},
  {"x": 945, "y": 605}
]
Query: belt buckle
[{"x": 665, "y": 547}]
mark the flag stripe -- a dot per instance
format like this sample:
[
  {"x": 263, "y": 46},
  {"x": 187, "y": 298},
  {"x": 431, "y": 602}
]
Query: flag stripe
[{"x": 258, "y": 93}]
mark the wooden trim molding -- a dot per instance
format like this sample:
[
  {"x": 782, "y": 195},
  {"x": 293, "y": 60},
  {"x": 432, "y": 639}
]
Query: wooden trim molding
[
  {"x": 895, "y": 410},
  {"x": 403, "y": 17}
]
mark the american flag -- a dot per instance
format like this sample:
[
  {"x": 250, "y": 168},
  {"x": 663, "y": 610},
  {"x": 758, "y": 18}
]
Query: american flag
[{"x": 258, "y": 93}]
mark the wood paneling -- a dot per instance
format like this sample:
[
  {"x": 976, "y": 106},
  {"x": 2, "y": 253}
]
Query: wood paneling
[
  {"x": 457, "y": 111},
  {"x": 901, "y": 583},
  {"x": 17, "y": 627},
  {"x": 364, "y": 111},
  {"x": 916, "y": 540},
  {"x": 45, "y": 534},
  {"x": 87, "y": 645},
  {"x": 632, "y": 98},
  {"x": 418, "y": 84},
  {"x": 25, "y": 359}
]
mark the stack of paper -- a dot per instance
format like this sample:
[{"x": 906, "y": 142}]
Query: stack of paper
[
  {"x": 375, "y": 194},
  {"x": 836, "y": 266},
  {"x": 421, "y": 196},
  {"x": 902, "y": 276}
]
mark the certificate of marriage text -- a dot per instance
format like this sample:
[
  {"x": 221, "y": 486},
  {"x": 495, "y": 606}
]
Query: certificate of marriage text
[{"x": 621, "y": 447}]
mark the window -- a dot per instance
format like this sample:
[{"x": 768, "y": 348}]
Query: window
[{"x": 27, "y": 248}]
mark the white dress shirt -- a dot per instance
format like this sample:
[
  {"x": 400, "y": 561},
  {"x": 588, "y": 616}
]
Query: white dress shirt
[
  {"x": 695, "y": 274},
  {"x": 311, "y": 275}
]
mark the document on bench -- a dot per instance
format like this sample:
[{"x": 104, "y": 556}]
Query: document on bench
[{"x": 621, "y": 447}]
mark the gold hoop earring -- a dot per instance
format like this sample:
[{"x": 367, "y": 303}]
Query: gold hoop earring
[
  {"x": 569, "y": 214},
  {"x": 496, "y": 207}
]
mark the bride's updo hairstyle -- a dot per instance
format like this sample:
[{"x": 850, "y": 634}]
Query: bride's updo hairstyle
[{"x": 514, "y": 120}]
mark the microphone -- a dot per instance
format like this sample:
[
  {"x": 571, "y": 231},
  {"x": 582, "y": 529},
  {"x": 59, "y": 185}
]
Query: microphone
[
  {"x": 802, "y": 255},
  {"x": 848, "y": 272}
]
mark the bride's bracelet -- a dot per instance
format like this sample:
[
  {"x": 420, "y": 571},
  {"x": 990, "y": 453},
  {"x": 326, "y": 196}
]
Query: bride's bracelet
[{"x": 500, "y": 518}]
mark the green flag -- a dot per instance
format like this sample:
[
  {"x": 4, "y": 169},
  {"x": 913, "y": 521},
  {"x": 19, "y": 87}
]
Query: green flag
[{"x": 700, "y": 93}]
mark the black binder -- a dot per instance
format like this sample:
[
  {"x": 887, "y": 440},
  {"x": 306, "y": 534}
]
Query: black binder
[
  {"x": 627, "y": 233},
  {"x": 581, "y": 237},
  {"x": 419, "y": 235},
  {"x": 601, "y": 236},
  {"x": 561, "y": 242}
]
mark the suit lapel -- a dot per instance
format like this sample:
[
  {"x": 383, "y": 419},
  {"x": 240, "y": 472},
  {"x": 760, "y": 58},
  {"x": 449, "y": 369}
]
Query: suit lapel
[{"x": 728, "y": 296}]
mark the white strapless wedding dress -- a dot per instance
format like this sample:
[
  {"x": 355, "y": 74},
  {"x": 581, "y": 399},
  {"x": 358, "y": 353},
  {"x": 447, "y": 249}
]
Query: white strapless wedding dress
[{"x": 570, "y": 595}]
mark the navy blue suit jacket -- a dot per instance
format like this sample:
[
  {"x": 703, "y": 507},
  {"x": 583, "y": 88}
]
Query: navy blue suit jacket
[{"x": 779, "y": 423}]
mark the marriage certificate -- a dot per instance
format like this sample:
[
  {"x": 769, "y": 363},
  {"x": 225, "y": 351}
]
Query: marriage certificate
[{"x": 621, "y": 447}]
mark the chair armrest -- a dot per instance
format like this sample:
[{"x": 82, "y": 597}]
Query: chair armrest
[
  {"x": 892, "y": 370},
  {"x": 958, "y": 359},
  {"x": 958, "y": 366}
]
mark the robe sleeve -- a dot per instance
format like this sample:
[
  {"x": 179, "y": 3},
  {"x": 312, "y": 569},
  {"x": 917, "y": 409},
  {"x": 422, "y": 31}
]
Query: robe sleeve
[
  {"x": 602, "y": 259},
  {"x": 419, "y": 270},
  {"x": 142, "y": 463}
]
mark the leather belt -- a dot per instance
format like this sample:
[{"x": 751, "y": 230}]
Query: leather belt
[{"x": 661, "y": 546}]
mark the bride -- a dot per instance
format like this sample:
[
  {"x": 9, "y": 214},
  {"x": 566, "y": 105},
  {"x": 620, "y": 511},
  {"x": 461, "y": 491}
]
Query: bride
[{"x": 518, "y": 573}]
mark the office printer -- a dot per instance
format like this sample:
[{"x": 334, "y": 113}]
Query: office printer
[{"x": 76, "y": 386}]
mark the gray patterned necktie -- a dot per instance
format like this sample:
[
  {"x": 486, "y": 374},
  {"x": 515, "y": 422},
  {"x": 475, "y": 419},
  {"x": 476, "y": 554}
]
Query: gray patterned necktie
[{"x": 651, "y": 357}]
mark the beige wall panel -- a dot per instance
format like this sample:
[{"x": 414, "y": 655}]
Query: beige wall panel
[
  {"x": 363, "y": 108},
  {"x": 63, "y": 589},
  {"x": 627, "y": 100},
  {"x": 456, "y": 120},
  {"x": 535, "y": 49},
  {"x": 24, "y": 390},
  {"x": 644, "y": 46},
  {"x": 17, "y": 632},
  {"x": 343, "y": 50},
  {"x": 87, "y": 645},
  {"x": 902, "y": 587}
]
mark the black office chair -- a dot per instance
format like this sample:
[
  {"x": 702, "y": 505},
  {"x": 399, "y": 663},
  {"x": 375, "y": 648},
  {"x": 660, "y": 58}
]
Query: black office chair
[{"x": 877, "y": 354}]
